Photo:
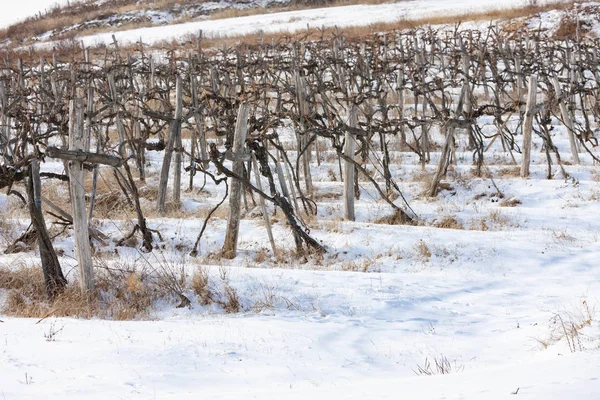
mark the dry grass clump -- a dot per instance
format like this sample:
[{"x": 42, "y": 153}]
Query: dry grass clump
[
  {"x": 421, "y": 175},
  {"x": 441, "y": 366},
  {"x": 567, "y": 325},
  {"x": 123, "y": 292},
  {"x": 512, "y": 202},
  {"x": 333, "y": 226},
  {"x": 495, "y": 220},
  {"x": 121, "y": 295},
  {"x": 422, "y": 251},
  {"x": 568, "y": 28},
  {"x": 396, "y": 218},
  {"x": 448, "y": 222},
  {"x": 219, "y": 292},
  {"x": 509, "y": 172},
  {"x": 478, "y": 224},
  {"x": 112, "y": 205},
  {"x": 27, "y": 279},
  {"x": 363, "y": 265}
]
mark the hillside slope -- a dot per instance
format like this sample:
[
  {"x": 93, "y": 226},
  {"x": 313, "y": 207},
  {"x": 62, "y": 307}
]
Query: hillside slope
[{"x": 94, "y": 23}]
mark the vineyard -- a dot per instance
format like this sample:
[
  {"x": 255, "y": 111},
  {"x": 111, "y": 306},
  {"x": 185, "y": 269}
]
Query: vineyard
[
  {"x": 334, "y": 155},
  {"x": 266, "y": 118}
]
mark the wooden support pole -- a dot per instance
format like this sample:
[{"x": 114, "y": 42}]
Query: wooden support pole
[
  {"x": 349, "y": 149},
  {"x": 528, "y": 126},
  {"x": 263, "y": 206},
  {"x": 235, "y": 191},
  {"x": 178, "y": 144},
  {"x": 174, "y": 132},
  {"x": 302, "y": 136},
  {"x": 566, "y": 116},
  {"x": 83, "y": 157},
  {"x": 76, "y": 176}
]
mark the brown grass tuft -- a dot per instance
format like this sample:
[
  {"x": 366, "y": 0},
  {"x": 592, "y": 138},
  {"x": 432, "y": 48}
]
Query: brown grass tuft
[
  {"x": 448, "y": 222},
  {"x": 512, "y": 202},
  {"x": 422, "y": 251},
  {"x": 396, "y": 218}
]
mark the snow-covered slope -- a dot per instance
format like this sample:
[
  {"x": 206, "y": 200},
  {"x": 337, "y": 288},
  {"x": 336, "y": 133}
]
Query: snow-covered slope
[
  {"x": 15, "y": 11},
  {"x": 356, "y": 15}
]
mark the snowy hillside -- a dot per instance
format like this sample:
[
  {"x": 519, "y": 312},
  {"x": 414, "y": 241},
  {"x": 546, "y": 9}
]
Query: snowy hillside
[
  {"x": 165, "y": 24},
  {"x": 14, "y": 11}
]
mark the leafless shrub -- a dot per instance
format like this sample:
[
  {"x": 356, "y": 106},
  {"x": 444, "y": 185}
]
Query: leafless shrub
[{"x": 53, "y": 332}]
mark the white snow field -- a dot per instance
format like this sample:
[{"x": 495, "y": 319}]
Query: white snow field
[
  {"x": 15, "y": 11},
  {"x": 494, "y": 299}
]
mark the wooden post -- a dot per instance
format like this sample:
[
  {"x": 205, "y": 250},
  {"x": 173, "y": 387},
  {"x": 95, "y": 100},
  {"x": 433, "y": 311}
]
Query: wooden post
[
  {"x": 302, "y": 137},
  {"x": 349, "y": 149},
  {"x": 528, "y": 126},
  {"x": 120, "y": 128},
  {"x": 400, "y": 94},
  {"x": 263, "y": 206},
  {"x": 76, "y": 175},
  {"x": 235, "y": 192},
  {"x": 178, "y": 144},
  {"x": 174, "y": 132},
  {"x": 567, "y": 119}
]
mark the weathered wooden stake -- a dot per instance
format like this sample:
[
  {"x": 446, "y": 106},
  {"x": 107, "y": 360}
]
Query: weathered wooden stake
[
  {"x": 528, "y": 126},
  {"x": 349, "y": 149},
  {"x": 567, "y": 119},
  {"x": 76, "y": 176},
  {"x": 174, "y": 132},
  {"x": 263, "y": 206},
  {"x": 235, "y": 192},
  {"x": 178, "y": 144}
]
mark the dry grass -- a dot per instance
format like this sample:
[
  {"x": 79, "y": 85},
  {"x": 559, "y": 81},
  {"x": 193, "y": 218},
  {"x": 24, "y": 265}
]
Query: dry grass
[
  {"x": 123, "y": 291},
  {"x": 220, "y": 292},
  {"x": 122, "y": 296},
  {"x": 448, "y": 222},
  {"x": 422, "y": 251},
  {"x": 567, "y": 325},
  {"x": 495, "y": 220},
  {"x": 363, "y": 265},
  {"x": 441, "y": 366},
  {"x": 396, "y": 218},
  {"x": 568, "y": 28},
  {"x": 512, "y": 202},
  {"x": 509, "y": 172}
]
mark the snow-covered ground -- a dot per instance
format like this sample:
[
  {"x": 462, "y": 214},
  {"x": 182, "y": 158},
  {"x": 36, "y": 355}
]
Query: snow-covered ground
[
  {"x": 493, "y": 298},
  {"x": 15, "y": 11}
]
